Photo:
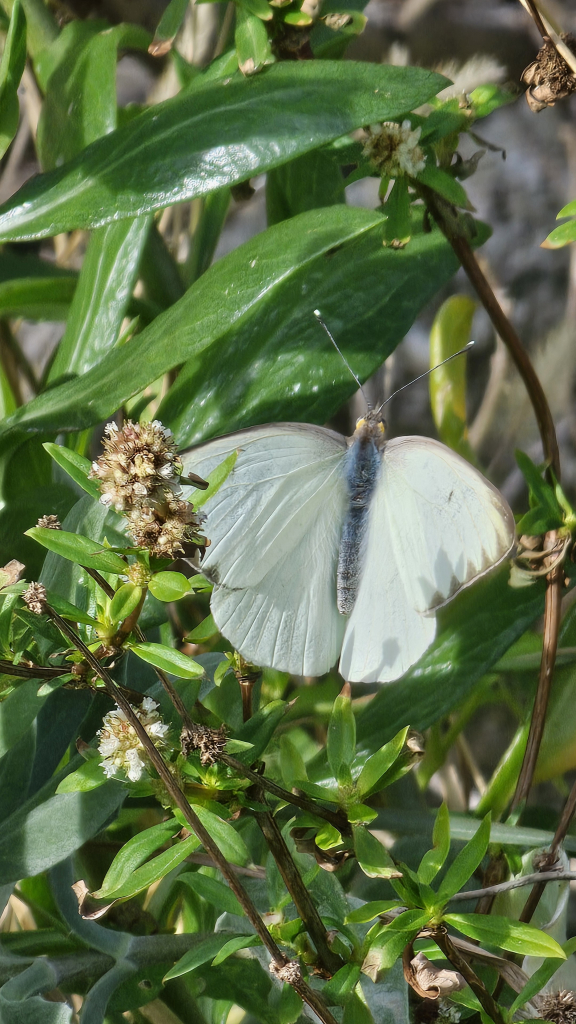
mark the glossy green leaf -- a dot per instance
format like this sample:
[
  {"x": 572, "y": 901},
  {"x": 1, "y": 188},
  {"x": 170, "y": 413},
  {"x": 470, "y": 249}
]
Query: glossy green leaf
[
  {"x": 228, "y": 841},
  {"x": 307, "y": 183},
  {"x": 204, "y": 631},
  {"x": 370, "y": 910},
  {"x": 75, "y": 465},
  {"x": 215, "y": 481},
  {"x": 331, "y": 259},
  {"x": 562, "y": 235},
  {"x": 152, "y": 871},
  {"x": 77, "y": 548},
  {"x": 451, "y": 332},
  {"x": 211, "y": 220},
  {"x": 568, "y": 211},
  {"x": 341, "y": 740},
  {"x": 78, "y": 74},
  {"x": 474, "y": 631},
  {"x": 545, "y": 511},
  {"x": 446, "y": 186},
  {"x": 202, "y": 953},
  {"x": 168, "y": 659},
  {"x": 102, "y": 295},
  {"x": 465, "y": 863},
  {"x": 169, "y": 586},
  {"x": 373, "y": 858},
  {"x": 506, "y": 933},
  {"x": 168, "y": 27},
  {"x": 342, "y": 984},
  {"x": 233, "y": 945},
  {"x": 212, "y": 135},
  {"x": 539, "y": 980},
  {"x": 356, "y": 1011},
  {"x": 88, "y": 776},
  {"x": 378, "y": 764},
  {"x": 291, "y": 763},
  {"x": 251, "y": 40},
  {"x": 48, "y": 828},
  {"x": 134, "y": 853},
  {"x": 259, "y": 729},
  {"x": 69, "y": 611},
  {"x": 397, "y": 209},
  {"x": 261, "y": 8},
  {"x": 434, "y": 859},
  {"x": 11, "y": 69},
  {"x": 215, "y": 892},
  {"x": 389, "y": 943},
  {"x": 125, "y": 601}
]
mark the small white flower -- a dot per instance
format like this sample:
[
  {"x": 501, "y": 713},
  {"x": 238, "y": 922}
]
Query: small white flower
[
  {"x": 394, "y": 149},
  {"x": 120, "y": 745},
  {"x": 149, "y": 705}
]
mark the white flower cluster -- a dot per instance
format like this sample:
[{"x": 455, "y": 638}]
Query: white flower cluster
[
  {"x": 120, "y": 745},
  {"x": 394, "y": 149}
]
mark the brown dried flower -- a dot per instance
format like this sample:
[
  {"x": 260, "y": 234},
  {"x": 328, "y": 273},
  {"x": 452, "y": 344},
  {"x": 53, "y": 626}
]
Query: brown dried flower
[
  {"x": 559, "y": 1007},
  {"x": 210, "y": 742},
  {"x": 34, "y": 598},
  {"x": 49, "y": 523},
  {"x": 289, "y": 973},
  {"x": 548, "y": 77},
  {"x": 139, "y": 475}
]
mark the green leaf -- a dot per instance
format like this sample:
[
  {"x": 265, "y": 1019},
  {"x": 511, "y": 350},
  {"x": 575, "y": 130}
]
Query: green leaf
[
  {"x": 168, "y": 660},
  {"x": 341, "y": 741},
  {"x": 204, "y": 631},
  {"x": 370, "y": 910},
  {"x": 102, "y": 295},
  {"x": 378, "y": 764},
  {"x": 167, "y": 153},
  {"x": 37, "y": 298},
  {"x": 252, "y": 42},
  {"x": 154, "y": 870},
  {"x": 451, "y": 332},
  {"x": 78, "y": 75},
  {"x": 215, "y": 481},
  {"x": 465, "y": 863},
  {"x": 69, "y": 611},
  {"x": 390, "y": 941},
  {"x": 356, "y": 1011},
  {"x": 125, "y": 601},
  {"x": 568, "y": 211},
  {"x": 216, "y": 893},
  {"x": 434, "y": 859},
  {"x": 342, "y": 984},
  {"x": 541, "y": 977},
  {"x": 506, "y": 933},
  {"x": 259, "y": 730},
  {"x": 47, "y": 829},
  {"x": 17, "y": 712},
  {"x": 75, "y": 465},
  {"x": 168, "y": 27},
  {"x": 169, "y": 586},
  {"x": 261, "y": 8},
  {"x": 77, "y": 548},
  {"x": 233, "y": 945},
  {"x": 205, "y": 951},
  {"x": 474, "y": 631},
  {"x": 328, "y": 837},
  {"x": 373, "y": 858},
  {"x": 135, "y": 852},
  {"x": 446, "y": 186},
  {"x": 291, "y": 763},
  {"x": 486, "y": 98},
  {"x": 88, "y": 776},
  {"x": 397, "y": 210},
  {"x": 562, "y": 235},
  {"x": 228, "y": 841},
  {"x": 11, "y": 69},
  {"x": 543, "y": 501},
  {"x": 286, "y": 363},
  {"x": 306, "y": 183}
]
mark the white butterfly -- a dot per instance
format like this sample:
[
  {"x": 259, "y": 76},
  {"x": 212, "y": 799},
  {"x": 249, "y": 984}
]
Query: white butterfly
[{"x": 324, "y": 546}]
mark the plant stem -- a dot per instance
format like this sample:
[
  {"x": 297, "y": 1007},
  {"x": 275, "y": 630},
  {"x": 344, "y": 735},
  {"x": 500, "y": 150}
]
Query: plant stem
[
  {"x": 279, "y": 959},
  {"x": 447, "y": 220},
  {"x": 33, "y": 671},
  {"x": 298, "y": 891},
  {"x": 335, "y": 818},
  {"x": 489, "y": 1005},
  {"x": 559, "y": 836},
  {"x": 514, "y": 883}
]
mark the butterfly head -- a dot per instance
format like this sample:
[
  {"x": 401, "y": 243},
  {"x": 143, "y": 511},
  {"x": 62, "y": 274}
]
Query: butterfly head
[{"x": 371, "y": 426}]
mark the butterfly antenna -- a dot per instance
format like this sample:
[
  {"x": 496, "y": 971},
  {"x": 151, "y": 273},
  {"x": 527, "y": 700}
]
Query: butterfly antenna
[
  {"x": 425, "y": 374},
  {"x": 318, "y": 316}
]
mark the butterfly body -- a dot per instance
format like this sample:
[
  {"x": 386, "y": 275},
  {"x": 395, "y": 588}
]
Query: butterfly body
[{"x": 324, "y": 547}]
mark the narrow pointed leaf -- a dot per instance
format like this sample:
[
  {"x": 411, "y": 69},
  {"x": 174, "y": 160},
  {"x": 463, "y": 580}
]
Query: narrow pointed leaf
[{"x": 506, "y": 933}]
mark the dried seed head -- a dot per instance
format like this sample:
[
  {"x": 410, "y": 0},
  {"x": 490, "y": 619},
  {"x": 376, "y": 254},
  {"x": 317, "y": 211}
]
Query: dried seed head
[
  {"x": 139, "y": 475},
  {"x": 209, "y": 742},
  {"x": 34, "y": 598},
  {"x": 120, "y": 745},
  {"x": 559, "y": 1007},
  {"x": 49, "y": 523},
  {"x": 548, "y": 77},
  {"x": 290, "y": 972},
  {"x": 394, "y": 149}
]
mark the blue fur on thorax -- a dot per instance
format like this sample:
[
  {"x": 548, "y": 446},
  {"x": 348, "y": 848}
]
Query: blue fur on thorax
[{"x": 362, "y": 466}]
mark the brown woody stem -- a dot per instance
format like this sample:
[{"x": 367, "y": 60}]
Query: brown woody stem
[{"x": 489, "y": 1005}]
